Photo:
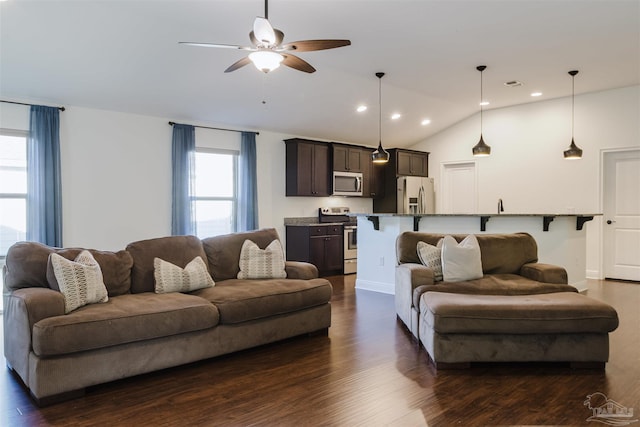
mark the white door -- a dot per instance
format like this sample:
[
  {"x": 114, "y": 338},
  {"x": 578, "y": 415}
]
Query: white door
[
  {"x": 622, "y": 215},
  {"x": 458, "y": 193}
]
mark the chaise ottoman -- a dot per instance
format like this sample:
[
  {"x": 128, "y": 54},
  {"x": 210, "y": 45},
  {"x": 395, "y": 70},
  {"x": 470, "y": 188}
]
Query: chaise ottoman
[{"x": 457, "y": 329}]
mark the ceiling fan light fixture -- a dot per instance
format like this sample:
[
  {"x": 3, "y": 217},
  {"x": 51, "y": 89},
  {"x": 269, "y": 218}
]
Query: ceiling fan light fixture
[{"x": 266, "y": 60}]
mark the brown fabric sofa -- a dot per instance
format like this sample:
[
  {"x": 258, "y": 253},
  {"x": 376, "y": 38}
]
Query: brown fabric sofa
[
  {"x": 509, "y": 263},
  {"x": 57, "y": 355}
]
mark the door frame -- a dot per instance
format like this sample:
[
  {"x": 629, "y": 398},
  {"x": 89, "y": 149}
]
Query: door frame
[
  {"x": 443, "y": 168},
  {"x": 603, "y": 153}
]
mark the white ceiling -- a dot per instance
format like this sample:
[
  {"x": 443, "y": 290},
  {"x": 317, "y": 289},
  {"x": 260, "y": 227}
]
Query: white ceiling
[{"x": 124, "y": 56}]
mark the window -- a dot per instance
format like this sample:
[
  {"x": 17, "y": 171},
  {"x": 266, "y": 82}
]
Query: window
[
  {"x": 13, "y": 192},
  {"x": 13, "y": 189},
  {"x": 215, "y": 198}
]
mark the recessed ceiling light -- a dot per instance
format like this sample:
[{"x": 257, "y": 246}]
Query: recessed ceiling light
[
  {"x": 536, "y": 94},
  {"x": 483, "y": 103},
  {"x": 361, "y": 108},
  {"x": 513, "y": 83},
  {"x": 396, "y": 116},
  {"x": 425, "y": 122}
]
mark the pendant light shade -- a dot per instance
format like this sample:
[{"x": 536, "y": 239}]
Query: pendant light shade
[
  {"x": 481, "y": 149},
  {"x": 574, "y": 152},
  {"x": 380, "y": 155}
]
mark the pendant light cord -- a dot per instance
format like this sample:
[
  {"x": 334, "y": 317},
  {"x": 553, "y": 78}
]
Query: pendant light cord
[
  {"x": 380, "y": 110},
  {"x": 573, "y": 94},
  {"x": 481, "y": 106}
]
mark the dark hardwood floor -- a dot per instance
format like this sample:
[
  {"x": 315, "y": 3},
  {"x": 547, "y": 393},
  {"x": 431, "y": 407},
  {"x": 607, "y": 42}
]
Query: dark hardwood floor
[{"x": 367, "y": 372}]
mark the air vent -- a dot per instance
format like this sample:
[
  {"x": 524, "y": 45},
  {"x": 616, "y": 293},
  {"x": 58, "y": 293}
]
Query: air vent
[{"x": 513, "y": 83}]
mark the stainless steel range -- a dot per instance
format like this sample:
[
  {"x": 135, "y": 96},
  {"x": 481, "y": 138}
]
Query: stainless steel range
[{"x": 350, "y": 243}]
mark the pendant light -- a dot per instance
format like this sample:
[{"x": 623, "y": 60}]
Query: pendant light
[
  {"x": 481, "y": 149},
  {"x": 574, "y": 152},
  {"x": 380, "y": 155}
]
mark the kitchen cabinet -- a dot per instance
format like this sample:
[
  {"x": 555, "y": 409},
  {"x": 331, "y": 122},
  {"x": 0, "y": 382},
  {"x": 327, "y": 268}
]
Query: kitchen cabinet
[
  {"x": 307, "y": 168},
  {"x": 320, "y": 245},
  {"x": 348, "y": 158},
  {"x": 412, "y": 163},
  {"x": 372, "y": 175},
  {"x": 401, "y": 163}
]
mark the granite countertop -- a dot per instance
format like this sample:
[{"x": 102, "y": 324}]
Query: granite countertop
[
  {"x": 476, "y": 215},
  {"x": 313, "y": 221}
]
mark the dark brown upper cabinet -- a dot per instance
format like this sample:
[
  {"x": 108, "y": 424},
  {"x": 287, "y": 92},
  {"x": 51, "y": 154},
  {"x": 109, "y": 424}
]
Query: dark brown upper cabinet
[
  {"x": 412, "y": 163},
  {"x": 348, "y": 158},
  {"x": 307, "y": 168}
]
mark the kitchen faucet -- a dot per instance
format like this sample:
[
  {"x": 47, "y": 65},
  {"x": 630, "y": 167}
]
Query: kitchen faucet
[{"x": 500, "y": 206}]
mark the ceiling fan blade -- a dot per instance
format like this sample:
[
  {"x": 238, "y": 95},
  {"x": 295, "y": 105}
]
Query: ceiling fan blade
[
  {"x": 238, "y": 64},
  {"x": 297, "y": 63},
  {"x": 225, "y": 46},
  {"x": 263, "y": 31},
  {"x": 309, "y": 45}
]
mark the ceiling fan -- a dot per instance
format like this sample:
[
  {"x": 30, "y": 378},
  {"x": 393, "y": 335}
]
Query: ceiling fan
[{"x": 268, "y": 52}]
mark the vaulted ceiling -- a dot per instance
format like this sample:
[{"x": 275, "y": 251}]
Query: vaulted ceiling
[{"x": 124, "y": 56}]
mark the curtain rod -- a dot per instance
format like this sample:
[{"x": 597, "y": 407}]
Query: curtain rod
[
  {"x": 28, "y": 105},
  {"x": 207, "y": 127}
]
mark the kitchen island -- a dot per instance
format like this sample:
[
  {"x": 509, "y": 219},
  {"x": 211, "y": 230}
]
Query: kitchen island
[{"x": 561, "y": 240}]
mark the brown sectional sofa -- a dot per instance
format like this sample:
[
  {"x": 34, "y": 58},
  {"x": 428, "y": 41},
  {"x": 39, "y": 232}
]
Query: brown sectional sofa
[
  {"x": 57, "y": 355},
  {"x": 519, "y": 310},
  {"x": 509, "y": 263}
]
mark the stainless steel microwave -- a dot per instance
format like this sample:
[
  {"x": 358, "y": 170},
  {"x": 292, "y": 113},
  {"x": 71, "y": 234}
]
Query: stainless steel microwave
[{"x": 347, "y": 183}]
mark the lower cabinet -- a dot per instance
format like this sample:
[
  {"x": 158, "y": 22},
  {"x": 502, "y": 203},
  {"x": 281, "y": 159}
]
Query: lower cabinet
[{"x": 321, "y": 245}]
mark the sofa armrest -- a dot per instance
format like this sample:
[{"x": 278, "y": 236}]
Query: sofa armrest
[
  {"x": 546, "y": 273},
  {"x": 300, "y": 270},
  {"x": 415, "y": 275},
  {"x": 32, "y": 305},
  {"x": 408, "y": 277},
  {"x": 22, "y": 309}
]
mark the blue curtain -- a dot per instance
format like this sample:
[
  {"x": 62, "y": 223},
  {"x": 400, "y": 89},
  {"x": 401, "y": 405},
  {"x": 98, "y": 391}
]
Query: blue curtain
[
  {"x": 247, "y": 217},
  {"x": 44, "y": 189},
  {"x": 183, "y": 164}
]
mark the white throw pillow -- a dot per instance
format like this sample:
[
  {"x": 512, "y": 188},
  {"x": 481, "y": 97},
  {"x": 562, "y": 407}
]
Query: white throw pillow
[
  {"x": 171, "y": 278},
  {"x": 80, "y": 280},
  {"x": 267, "y": 263},
  {"x": 431, "y": 256},
  {"x": 462, "y": 261}
]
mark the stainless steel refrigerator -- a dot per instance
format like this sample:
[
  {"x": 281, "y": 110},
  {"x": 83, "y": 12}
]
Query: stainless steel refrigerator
[{"x": 415, "y": 195}]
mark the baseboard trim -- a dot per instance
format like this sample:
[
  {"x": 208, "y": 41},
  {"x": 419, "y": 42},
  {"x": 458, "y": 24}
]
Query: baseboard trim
[
  {"x": 368, "y": 285},
  {"x": 593, "y": 274}
]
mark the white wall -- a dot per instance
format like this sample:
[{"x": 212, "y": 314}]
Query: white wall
[
  {"x": 116, "y": 175},
  {"x": 526, "y": 167}
]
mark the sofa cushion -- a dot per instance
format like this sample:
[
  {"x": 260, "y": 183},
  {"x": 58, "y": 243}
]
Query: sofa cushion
[
  {"x": 171, "y": 278},
  {"x": 256, "y": 263},
  {"x": 563, "y": 312},
  {"x": 178, "y": 250},
  {"x": 80, "y": 280},
  {"x": 115, "y": 267},
  {"x": 431, "y": 256},
  {"x": 26, "y": 264},
  {"x": 461, "y": 261},
  {"x": 501, "y": 253},
  {"x": 241, "y": 300},
  {"x": 493, "y": 284},
  {"x": 123, "y": 319},
  {"x": 223, "y": 252}
]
